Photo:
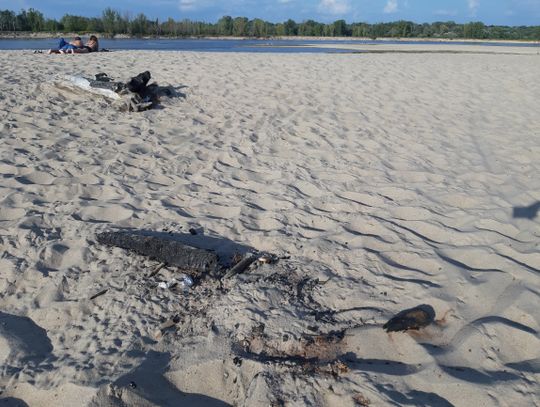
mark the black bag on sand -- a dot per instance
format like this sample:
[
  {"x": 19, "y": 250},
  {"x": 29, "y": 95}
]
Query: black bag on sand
[{"x": 138, "y": 83}]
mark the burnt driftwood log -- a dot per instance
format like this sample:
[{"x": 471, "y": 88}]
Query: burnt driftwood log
[{"x": 164, "y": 250}]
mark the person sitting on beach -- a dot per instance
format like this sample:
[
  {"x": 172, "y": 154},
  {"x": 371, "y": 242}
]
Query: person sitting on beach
[
  {"x": 91, "y": 46},
  {"x": 64, "y": 47}
]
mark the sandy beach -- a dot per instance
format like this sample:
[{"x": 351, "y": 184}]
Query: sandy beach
[{"x": 380, "y": 181}]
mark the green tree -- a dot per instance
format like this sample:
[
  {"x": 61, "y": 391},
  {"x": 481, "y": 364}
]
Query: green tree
[
  {"x": 74, "y": 24},
  {"x": 279, "y": 29},
  {"x": 403, "y": 29},
  {"x": 8, "y": 20},
  {"x": 94, "y": 25},
  {"x": 258, "y": 28},
  {"x": 52, "y": 26},
  {"x": 340, "y": 29},
  {"x": 36, "y": 22},
  {"x": 138, "y": 27},
  {"x": 290, "y": 27},
  {"x": 311, "y": 28},
  {"x": 474, "y": 30},
  {"x": 240, "y": 27},
  {"x": 225, "y": 26},
  {"x": 111, "y": 22},
  {"x": 378, "y": 30},
  {"x": 169, "y": 27},
  {"x": 110, "y": 19},
  {"x": 360, "y": 30},
  {"x": 22, "y": 21}
]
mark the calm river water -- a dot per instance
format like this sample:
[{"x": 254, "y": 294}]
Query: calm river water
[{"x": 288, "y": 46}]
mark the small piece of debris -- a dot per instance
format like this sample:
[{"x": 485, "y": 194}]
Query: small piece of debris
[
  {"x": 155, "y": 271},
  {"x": 241, "y": 265},
  {"x": 361, "y": 400},
  {"x": 267, "y": 259},
  {"x": 169, "y": 323},
  {"x": 258, "y": 329},
  {"x": 237, "y": 361},
  {"x": 99, "y": 294}
]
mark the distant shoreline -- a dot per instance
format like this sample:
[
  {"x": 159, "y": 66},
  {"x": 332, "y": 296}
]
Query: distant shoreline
[{"x": 25, "y": 35}]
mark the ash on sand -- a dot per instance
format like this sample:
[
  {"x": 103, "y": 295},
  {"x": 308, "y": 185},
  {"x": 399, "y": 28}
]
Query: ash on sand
[{"x": 231, "y": 340}]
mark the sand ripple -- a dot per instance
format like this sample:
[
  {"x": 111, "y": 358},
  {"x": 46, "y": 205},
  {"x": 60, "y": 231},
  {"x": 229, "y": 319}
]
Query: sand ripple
[{"x": 393, "y": 179}]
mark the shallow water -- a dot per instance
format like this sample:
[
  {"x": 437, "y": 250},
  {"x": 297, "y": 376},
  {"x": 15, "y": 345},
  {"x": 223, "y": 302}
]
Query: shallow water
[{"x": 282, "y": 46}]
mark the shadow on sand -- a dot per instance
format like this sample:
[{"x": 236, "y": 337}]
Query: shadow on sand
[
  {"x": 147, "y": 381},
  {"x": 12, "y": 402},
  {"x": 28, "y": 342},
  {"x": 526, "y": 212}
]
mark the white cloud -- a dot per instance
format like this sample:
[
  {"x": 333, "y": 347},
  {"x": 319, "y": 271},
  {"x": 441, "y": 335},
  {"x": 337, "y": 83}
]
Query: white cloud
[
  {"x": 190, "y": 5},
  {"x": 335, "y": 7},
  {"x": 447, "y": 13},
  {"x": 391, "y": 6},
  {"x": 187, "y": 5},
  {"x": 473, "y": 6}
]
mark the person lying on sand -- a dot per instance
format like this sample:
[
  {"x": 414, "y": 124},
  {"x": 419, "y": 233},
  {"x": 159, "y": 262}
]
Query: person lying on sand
[
  {"x": 91, "y": 46},
  {"x": 64, "y": 47}
]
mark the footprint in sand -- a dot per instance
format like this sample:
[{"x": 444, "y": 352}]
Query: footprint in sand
[
  {"x": 7, "y": 214},
  {"x": 58, "y": 256},
  {"x": 140, "y": 148},
  {"x": 6, "y": 169},
  {"x": 461, "y": 201},
  {"x": 161, "y": 179},
  {"x": 51, "y": 256},
  {"x": 264, "y": 223},
  {"x": 308, "y": 189},
  {"x": 88, "y": 179},
  {"x": 104, "y": 193},
  {"x": 270, "y": 203},
  {"x": 36, "y": 177},
  {"x": 104, "y": 214}
]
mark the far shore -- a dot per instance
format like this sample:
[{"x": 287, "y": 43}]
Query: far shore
[{"x": 26, "y": 35}]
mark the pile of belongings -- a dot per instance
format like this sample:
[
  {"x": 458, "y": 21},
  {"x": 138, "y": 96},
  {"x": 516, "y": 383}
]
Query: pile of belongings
[{"x": 135, "y": 95}]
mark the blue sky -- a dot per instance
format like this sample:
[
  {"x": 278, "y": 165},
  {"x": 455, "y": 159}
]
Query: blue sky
[{"x": 503, "y": 12}]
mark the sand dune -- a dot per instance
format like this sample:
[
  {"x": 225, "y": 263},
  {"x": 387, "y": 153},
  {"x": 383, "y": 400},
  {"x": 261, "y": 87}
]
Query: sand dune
[{"x": 384, "y": 181}]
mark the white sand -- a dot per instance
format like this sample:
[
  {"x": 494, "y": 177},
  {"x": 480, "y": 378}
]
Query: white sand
[
  {"x": 434, "y": 47},
  {"x": 390, "y": 177}
]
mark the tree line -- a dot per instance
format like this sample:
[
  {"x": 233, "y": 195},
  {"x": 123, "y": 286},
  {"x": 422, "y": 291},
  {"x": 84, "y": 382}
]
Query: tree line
[{"x": 112, "y": 22}]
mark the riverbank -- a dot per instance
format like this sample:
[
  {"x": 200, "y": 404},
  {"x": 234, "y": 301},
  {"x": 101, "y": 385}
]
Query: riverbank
[
  {"x": 379, "y": 181},
  {"x": 40, "y": 35}
]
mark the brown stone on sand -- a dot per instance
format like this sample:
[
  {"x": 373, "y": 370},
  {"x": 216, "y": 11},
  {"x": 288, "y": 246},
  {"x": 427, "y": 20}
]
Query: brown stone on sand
[{"x": 411, "y": 319}]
